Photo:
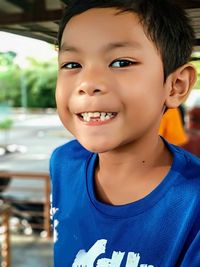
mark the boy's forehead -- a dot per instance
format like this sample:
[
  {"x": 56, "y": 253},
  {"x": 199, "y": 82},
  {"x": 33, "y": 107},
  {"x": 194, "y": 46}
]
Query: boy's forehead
[
  {"x": 103, "y": 15},
  {"x": 108, "y": 23}
]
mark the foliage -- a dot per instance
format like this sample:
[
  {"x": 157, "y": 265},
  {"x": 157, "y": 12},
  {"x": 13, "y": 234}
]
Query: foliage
[
  {"x": 9, "y": 76},
  {"x": 6, "y": 124},
  {"x": 39, "y": 80},
  {"x": 10, "y": 86},
  {"x": 41, "y": 84},
  {"x": 6, "y": 59}
]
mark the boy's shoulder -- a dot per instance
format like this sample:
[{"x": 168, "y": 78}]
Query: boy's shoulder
[
  {"x": 192, "y": 162},
  {"x": 188, "y": 166}
]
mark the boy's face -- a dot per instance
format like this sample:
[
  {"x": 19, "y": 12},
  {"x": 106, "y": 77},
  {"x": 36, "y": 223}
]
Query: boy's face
[{"x": 110, "y": 88}]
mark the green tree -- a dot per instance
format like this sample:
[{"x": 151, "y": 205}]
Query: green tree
[
  {"x": 9, "y": 76},
  {"x": 7, "y": 58},
  {"x": 39, "y": 79},
  {"x": 10, "y": 86},
  {"x": 5, "y": 126},
  {"x": 41, "y": 83}
]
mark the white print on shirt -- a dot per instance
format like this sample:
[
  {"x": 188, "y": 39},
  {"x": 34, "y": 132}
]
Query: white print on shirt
[
  {"x": 55, "y": 232},
  {"x": 55, "y": 223},
  {"x": 87, "y": 259}
]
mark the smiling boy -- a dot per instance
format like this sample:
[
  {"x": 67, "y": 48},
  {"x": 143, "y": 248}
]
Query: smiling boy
[{"x": 123, "y": 196}]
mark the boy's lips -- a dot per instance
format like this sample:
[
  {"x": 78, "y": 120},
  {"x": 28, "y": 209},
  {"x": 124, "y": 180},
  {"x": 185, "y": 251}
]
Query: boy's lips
[{"x": 97, "y": 116}]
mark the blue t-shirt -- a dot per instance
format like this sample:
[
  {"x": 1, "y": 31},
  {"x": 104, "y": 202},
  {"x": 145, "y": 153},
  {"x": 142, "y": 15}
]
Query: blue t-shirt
[{"x": 160, "y": 230}]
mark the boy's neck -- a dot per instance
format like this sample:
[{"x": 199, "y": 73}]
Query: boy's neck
[{"x": 128, "y": 176}]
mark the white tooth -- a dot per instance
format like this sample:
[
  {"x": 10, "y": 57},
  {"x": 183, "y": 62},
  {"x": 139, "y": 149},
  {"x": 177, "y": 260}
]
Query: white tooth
[
  {"x": 103, "y": 116},
  {"x": 90, "y": 114},
  {"x": 96, "y": 114},
  {"x": 87, "y": 117}
]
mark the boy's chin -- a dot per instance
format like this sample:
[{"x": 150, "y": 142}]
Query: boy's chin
[{"x": 96, "y": 147}]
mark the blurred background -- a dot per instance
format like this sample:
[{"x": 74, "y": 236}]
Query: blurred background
[{"x": 30, "y": 128}]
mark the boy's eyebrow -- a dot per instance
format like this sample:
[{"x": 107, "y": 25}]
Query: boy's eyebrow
[
  {"x": 108, "y": 47},
  {"x": 130, "y": 44},
  {"x": 66, "y": 48}
]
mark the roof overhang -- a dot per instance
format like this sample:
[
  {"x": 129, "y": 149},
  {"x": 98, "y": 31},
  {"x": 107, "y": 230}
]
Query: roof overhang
[{"x": 39, "y": 18}]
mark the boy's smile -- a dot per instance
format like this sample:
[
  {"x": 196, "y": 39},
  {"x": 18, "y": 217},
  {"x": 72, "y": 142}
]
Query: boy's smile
[
  {"x": 110, "y": 74},
  {"x": 96, "y": 118}
]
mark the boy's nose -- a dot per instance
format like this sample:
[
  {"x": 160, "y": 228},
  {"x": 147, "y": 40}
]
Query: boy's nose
[
  {"x": 92, "y": 84},
  {"x": 89, "y": 89}
]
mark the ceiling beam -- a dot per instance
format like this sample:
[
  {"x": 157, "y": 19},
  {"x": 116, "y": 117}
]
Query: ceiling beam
[
  {"x": 197, "y": 42},
  {"x": 188, "y": 3},
  {"x": 26, "y": 5},
  {"x": 30, "y": 17}
]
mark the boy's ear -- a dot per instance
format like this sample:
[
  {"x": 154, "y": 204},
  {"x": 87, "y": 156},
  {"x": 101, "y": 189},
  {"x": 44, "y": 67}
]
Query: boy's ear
[{"x": 179, "y": 83}]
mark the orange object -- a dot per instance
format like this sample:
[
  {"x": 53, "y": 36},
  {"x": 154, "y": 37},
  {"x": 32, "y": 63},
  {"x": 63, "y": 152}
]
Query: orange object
[{"x": 171, "y": 127}]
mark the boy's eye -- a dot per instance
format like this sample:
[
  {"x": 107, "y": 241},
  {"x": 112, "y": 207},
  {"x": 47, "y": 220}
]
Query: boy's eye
[
  {"x": 121, "y": 63},
  {"x": 71, "y": 65}
]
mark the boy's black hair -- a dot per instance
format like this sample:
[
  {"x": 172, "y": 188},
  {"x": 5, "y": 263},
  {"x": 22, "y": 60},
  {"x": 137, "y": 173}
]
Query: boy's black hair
[{"x": 164, "y": 22}]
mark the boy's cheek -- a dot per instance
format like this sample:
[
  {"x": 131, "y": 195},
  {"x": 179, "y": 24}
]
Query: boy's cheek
[
  {"x": 61, "y": 94},
  {"x": 64, "y": 116}
]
